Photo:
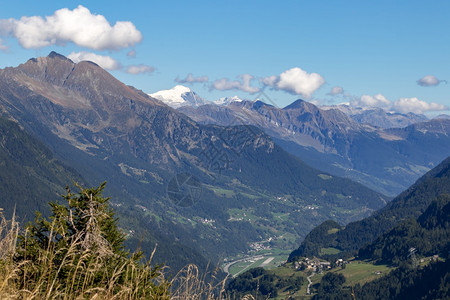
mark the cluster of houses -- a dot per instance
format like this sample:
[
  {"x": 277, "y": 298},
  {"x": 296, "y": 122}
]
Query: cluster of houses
[
  {"x": 207, "y": 221},
  {"x": 258, "y": 246},
  {"x": 311, "y": 207},
  {"x": 316, "y": 265}
]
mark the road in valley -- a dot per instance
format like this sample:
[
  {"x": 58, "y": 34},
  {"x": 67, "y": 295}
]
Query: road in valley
[{"x": 251, "y": 260}]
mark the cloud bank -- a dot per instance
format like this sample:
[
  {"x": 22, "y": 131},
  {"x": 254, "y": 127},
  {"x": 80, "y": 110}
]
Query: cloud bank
[
  {"x": 294, "y": 81},
  {"x": 78, "y": 26},
  {"x": 244, "y": 84},
  {"x": 405, "y": 105},
  {"x": 372, "y": 101},
  {"x": 402, "y": 105}
]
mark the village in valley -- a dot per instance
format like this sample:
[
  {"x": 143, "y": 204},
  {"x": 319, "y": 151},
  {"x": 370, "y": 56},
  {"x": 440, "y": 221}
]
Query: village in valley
[{"x": 318, "y": 266}]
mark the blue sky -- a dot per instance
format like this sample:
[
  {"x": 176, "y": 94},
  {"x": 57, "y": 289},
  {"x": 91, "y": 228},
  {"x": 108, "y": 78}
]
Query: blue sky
[{"x": 373, "y": 53}]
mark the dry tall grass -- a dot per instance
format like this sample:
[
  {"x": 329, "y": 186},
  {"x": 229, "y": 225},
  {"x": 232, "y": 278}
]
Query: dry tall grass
[{"x": 88, "y": 268}]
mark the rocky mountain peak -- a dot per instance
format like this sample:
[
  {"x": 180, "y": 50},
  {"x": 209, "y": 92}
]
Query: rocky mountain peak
[
  {"x": 56, "y": 55},
  {"x": 53, "y": 69},
  {"x": 83, "y": 85},
  {"x": 299, "y": 103},
  {"x": 258, "y": 104}
]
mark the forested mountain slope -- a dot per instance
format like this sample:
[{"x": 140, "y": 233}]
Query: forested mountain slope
[
  {"x": 409, "y": 204},
  {"x": 30, "y": 176}
]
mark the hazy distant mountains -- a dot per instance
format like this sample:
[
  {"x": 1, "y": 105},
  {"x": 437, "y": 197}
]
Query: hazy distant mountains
[
  {"x": 378, "y": 117},
  {"x": 442, "y": 117},
  {"x": 106, "y": 130},
  {"x": 181, "y": 96},
  {"x": 385, "y": 151}
]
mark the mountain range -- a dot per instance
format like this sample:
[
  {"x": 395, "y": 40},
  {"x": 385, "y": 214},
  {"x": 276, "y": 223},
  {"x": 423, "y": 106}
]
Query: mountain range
[
  {"x": 249, "y": 188},
  {"x": 378, "y": 117},
  {"x": 385, "y": 151}
]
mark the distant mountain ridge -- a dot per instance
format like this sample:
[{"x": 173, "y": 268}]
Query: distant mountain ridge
[
  {"x": 442, "y": 116},
  {"x": 227, "y": 100},
  {"x": 378, "y": 117},
  {"x": 385, "y": 159}
]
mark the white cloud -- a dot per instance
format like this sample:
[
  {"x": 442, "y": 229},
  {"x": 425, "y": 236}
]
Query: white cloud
[
  {"x": 416, "y": 106},
  {"x": 243, "y": 85},
  {"x": 106, "y": 62},
  {"x": 372, "y": 101},
  {"x": 429, "y": 80},
  {"x": 295, "y": 81},
  {"x": 192, "y": 79},
  {"x": 337, "y": 90},
  {"x": 109, "y": 63},
  {"x": 299, "y": 82},
  {"x": 78, "y": 26},
  {"x": 140, "y": 69},
  {"x": 402, "y": 105},
  {"x": 269, "y": 81}
]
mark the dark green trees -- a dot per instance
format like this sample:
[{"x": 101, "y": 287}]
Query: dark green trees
[{"x": 331, "y": 288}]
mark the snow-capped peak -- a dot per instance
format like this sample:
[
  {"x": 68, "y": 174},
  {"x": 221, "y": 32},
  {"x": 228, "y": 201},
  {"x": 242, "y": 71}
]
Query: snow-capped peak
[
  {"x": 227, "y": 100},
  {"x": 178, "y": 96}
]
